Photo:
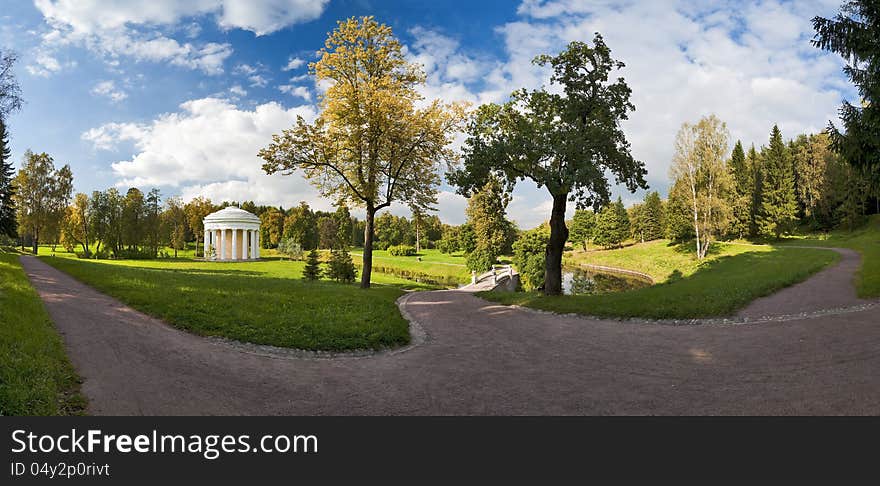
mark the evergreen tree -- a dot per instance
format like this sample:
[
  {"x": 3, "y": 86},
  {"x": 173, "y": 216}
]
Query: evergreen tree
[
  {"x": 612, "y": 225},
  {"x": 778, "y": 203},
  {"x": 341, "y": 269},
  {"x": 742, "y": 191},
  {"x": 653, "y": 217},
  {"x": 581, "y": 227},
  {"x": 756, "y": 182},
  {"x": 312, "y": 271},
  {"x": 8, "y": 224}
]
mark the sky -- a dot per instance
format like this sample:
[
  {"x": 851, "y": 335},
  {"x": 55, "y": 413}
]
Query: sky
[{"x": 181, "y": 95}]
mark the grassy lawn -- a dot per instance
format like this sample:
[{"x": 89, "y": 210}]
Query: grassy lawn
[
  {"x": 866, "y": 241},
  {"x": 263, "y": 302},
  {"x": 35, "y": 376},
  {"x": 435, "y": 267},
  {"x": 717, "y": 287}
]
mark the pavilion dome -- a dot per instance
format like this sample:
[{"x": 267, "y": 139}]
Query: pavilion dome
[{"x": 232, "y": 214}]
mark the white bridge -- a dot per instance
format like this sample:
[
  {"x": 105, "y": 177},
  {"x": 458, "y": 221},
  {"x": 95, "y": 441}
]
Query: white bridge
[{"x": 502, "y": 277}]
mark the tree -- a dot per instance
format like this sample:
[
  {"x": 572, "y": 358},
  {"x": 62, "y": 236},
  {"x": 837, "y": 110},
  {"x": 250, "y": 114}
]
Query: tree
[
  {"x": 565, "y": 141},
  {"x": 312, "y": 270},
  {"x": 698, "y": 162},
  {"x": 343, "y": 221},
  {"x": 812, "y": 155},
  {"x": 370, "y": 145},
  {"x": 271, "y": 228},
  {"x": 8, "y": 224},
  {"x": 485, "y": 211},
  {"x": 196, "y": 210},
  {"x": 679, "y": 219},
  {"x": 612, "y": 225},
  {"x": 10, "y": 91},
  {"x": 341, "y": 268},
  {"x": 778, "y": 204},
  {"x": 42, "y": 195},
  {"x": 654, "y": 217},
  {"x": 175, "y": 220},
  {"x": 291, "y": 248},
  {"x": 741, "y": 193},
  {"x": 853, "y": 34},
  {"x": 582, "y": 225},
  {"x": 327, "y": 232},
  {"x": 756, "y": 182},
  {"x": 528, "y": 256},
  {"x": 78, "y": 226},
  {"x": 153, "y": 221},
  {"x": 636, "y": 216},
  {"x": 301, "y": 225}
]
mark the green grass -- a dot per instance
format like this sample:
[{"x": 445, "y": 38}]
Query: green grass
[
  {"x": 661, "y": 259},
  {"x": 715, "y": 288},
  {"x": 438, "y": 268},
  {"x": 36, "y": 377},
  {"x": 263, "y": 302},
  {"x": 865, "y": 240}
]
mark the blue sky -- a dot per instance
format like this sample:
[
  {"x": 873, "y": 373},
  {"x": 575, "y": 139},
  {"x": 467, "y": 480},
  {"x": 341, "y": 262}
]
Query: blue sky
[{"x": 180, "y": 95}]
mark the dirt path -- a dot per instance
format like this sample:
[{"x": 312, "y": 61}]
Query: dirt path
[{"x": 479, "y": 358}]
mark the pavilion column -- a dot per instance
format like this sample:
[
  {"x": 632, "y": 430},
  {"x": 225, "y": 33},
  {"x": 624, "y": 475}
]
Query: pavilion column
[
  {"x": 234, "y": 244},
  {"x": 254, "y": 248},
  {"x": 245, "y": 243},
  {"x": 223, "y": 244},
  {"x": 205, "y": 244},
  {"x": 258, "y": 245}
]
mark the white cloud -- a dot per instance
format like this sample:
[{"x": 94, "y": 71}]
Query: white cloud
[
  {"x": 258, "y": 81},
  {"x": 293, "y": 63},
  {"x": 44, "y": 65},
  {"x": 237, "y": 90},
  {"x": 109, "y": 90},
  {"x": 208, "y": 148},
  {"x": 300, "y": 91}
]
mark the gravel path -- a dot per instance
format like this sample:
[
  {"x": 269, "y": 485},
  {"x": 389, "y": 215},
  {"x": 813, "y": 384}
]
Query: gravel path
[{"x": 477, "y": 358}]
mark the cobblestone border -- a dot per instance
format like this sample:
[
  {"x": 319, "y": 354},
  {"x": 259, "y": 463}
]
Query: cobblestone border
[{"x": 417, "y": 337}]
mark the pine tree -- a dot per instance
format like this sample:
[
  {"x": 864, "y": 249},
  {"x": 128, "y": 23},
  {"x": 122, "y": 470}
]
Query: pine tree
[
  {"x": 778, "y": 202},
  {"x": 612, "y": 225},
  {"x": 8, "y": 224},
  {"x": 742, "y": 191},
  {"x": 341, "y": 269},
  {"x": 756, "y": 182},
  {"x": 654, "y": 217},
  {"x": 312, "y": 271}
]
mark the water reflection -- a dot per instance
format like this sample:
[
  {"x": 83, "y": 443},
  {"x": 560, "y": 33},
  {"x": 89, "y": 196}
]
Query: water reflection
[{"x": 578, "y": 281}]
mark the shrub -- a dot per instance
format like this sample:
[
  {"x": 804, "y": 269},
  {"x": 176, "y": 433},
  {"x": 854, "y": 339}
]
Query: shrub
[
  {"x": 528, "y": 257},
  {"x": 401, "y": 250},
  {"x": 480, "y": 260},
  {"x": 290, "y": 248}
]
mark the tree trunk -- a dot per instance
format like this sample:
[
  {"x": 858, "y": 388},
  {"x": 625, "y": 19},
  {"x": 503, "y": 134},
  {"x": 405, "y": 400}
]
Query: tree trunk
[
  {"x": 555, "y": 247},
  {"x": 418, "y": 245},
  {"x": 367, "y": 269}
]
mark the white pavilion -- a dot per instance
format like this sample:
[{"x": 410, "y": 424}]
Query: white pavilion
[{"x": 232, "y": 234}]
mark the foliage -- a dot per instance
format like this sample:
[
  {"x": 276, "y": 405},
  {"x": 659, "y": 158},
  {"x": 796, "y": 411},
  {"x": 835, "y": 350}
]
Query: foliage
[
  {"x": 699, "y": 164},
  {"x": 10, "y": 91},
  {"x": 312, "y": 270},
  {"x": 301, "y": 225},
  {"x": 612, "y": 225},
  {"x": 370, "y": 145},
  {"x": 853, "y": 34},
  {"x": 401, "y": 250},
  {"x": 77, "y": 227},
  {"x": 654, "y": 217},
  {"x": 486, "y": 215},
  {"x": 741, "y": 193},
  {"x": 175, "y": 224},
  {"x": 565, "y": 139},
  {"x": 196, "y": 210},
  {"x": 36, "y": 377},
  {"x": 290, "y": 248},
  {"x": 341, "y": 268},
  {"x": 581, "y": 227},
  {"x": 528, "y": 257},
  {"x": 271, "y": 228},
  {"x": 8, "y": 223},
  {"x": 42, "y": 196},
  {"x": 778, "y": 204}
]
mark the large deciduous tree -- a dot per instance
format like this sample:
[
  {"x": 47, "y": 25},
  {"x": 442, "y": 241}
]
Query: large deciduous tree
[
  {"x": 486, "y": 215},
  {"x": 698, "y": 164},
  {"x": 10, "y": 91},
  {"x": 371, "y": 144},
  {"x": 78, "y": 227},
  {"x": 565, "y": 141},
  {"x": 42, "y": 195},
  {"x": 196, "y": 210}
]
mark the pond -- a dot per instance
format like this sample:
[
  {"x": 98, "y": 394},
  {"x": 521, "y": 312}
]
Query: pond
[{"x": 580, "y": 281}]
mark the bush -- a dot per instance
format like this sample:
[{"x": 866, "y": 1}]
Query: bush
[
  {"x": 290, "y": 248},
  {"x": 528, "y": 257},
  {"x": 401, "y": 250},
  {"x": 480, "y": 260}
]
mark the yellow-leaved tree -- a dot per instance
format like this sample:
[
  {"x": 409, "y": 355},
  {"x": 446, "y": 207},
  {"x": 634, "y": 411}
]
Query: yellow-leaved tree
[{"x": 374, "y": 141}]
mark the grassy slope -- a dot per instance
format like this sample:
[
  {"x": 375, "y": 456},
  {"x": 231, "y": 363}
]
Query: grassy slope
[
  {"x": 866, "y": 241},
  {"x": 262, "y": 302},
  {"x": 720, "y": 286},
  {"x": 446, "y": 269},
  {"x": 35, "y": 376}
]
